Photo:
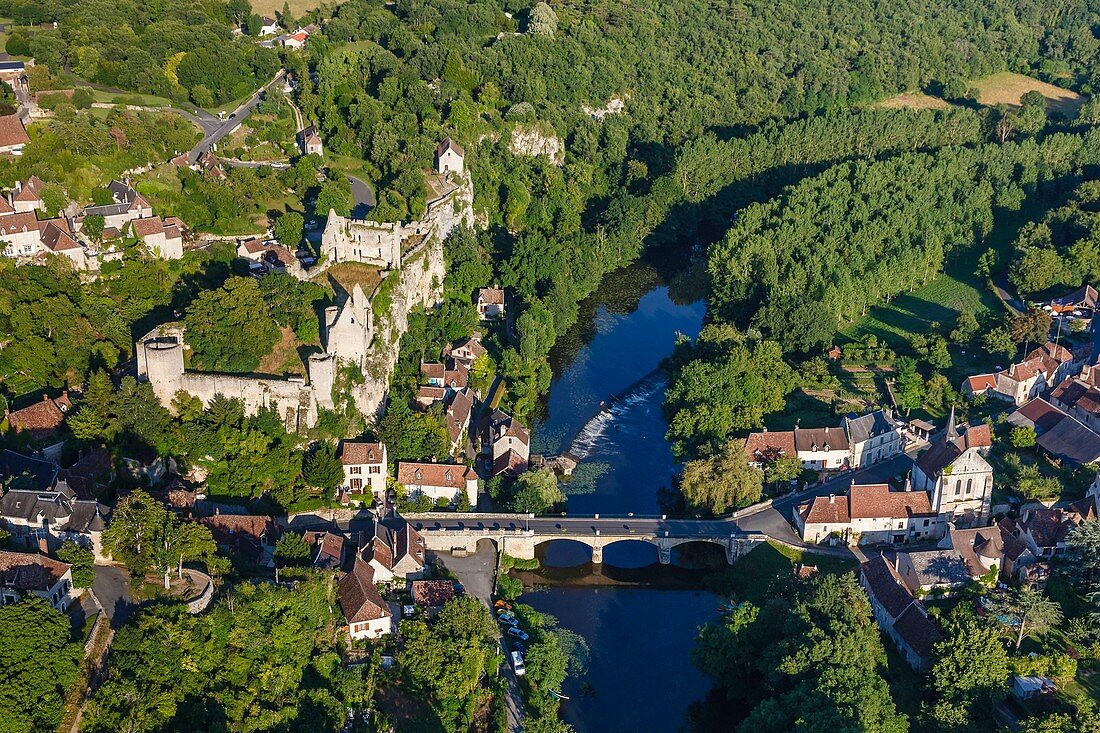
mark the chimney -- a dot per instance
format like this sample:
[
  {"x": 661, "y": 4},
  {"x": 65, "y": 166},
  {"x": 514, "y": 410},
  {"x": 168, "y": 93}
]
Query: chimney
[
  {"x": 908, "y": 484},
  {"x": 43, "y": 546},
  {"x": 832, "y": 498},
  {"x": 896, "y": 558}
]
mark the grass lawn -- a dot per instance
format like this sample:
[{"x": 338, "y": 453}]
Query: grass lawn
[
  {"x": 298, "y": 8},
  {"x": 751, "y": 577},
  {"x": 349, "y": 274},
  {"x": 284, "y": 358},
  {"x": 350, "y": 166},
  {"x": 140, "y": 100},
  {"x": 1007, "y": 88},
  {"x": 912, "y": 100},
  {"x": 806, "y": 409}
]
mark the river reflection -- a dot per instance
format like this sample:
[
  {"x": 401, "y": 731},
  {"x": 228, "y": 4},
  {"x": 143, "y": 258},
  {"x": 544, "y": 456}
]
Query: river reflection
[{"x": 640, "y": 677}]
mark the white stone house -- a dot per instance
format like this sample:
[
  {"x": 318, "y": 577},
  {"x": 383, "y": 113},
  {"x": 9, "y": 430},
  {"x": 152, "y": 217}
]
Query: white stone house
[
  {"x": 869, "y": 514},
  {"x": 822, "y": 449},
  {"x": 367, "y": 613},
  {"x": 873, "y": 437},
  {"x": 365, "y": 469},
  {"x": 438, "y": 480},
  {"x": 23, "y": 574},
  {"x": 393, "y": 549},
  {"x": 490, "y": 303}
]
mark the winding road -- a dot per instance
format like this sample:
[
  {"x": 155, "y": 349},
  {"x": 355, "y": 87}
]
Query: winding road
[{"x": 234, "y": 120}]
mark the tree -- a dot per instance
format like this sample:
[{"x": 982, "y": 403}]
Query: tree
[
  {"x": 413, "y": 436},
  {"x": 1084, "y": 552},
  {"x": 40, "y": 664},
  {"x": 969, "y": 671},
  {"x": 722, "y": 482},
  {"x": 999, "y": 341},
  {"x": 536, "y": 492},
  {"x": 783, "y": 468},
  {"x": 1034, "y": 485},
  {"x": 966, "y": 326},
  {"x": 132, "y": 535},
  {"x": 81, "y": 559},
  {"x": 322, "y": 469},
  {"x": 335, "y": 195},
  {"x": 544, "y": 21},
  {"x": 288, "y": 229},
  {"x": 1031, "y": 327},
  {"x": 909, "y": 385},
  {"x": 230, "y": 329},
  {"x": 1022, "y": 437},
  {"x": 292, "y": 549},
  {"x": 1031, "y": 611},
  {"x": 93, "y": 227}
]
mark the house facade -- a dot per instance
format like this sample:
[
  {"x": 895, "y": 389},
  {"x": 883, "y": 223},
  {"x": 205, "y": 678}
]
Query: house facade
[
  {"x": 1043, "y": 368},
  {"x": 438, "y": 480},
  {"x": 393, "y": 549},
  {"x": 23, "y": 574},
  {"x": 900, "y": 616},
  {"x": 309, "y": 140},
  {"x": 869, "y": 514},
  {"x": 873, "y": 438},
  {"x": 368, "y": 615},
  {"x": 366, "y": 468},
  {"x": 490, "y": 303},
  {"x": 507, "y": 443}
]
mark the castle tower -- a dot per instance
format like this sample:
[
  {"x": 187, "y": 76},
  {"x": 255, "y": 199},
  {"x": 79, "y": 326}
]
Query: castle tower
[
  {"x": 161, "y": 362},
  {"x": 322, "y": 376}
]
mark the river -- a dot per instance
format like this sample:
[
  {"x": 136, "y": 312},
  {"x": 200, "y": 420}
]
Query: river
[{"x": 604, "y": 407}]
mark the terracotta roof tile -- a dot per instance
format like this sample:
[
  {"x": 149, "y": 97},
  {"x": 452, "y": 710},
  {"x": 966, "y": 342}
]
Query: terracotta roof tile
[
  {"x": 12, "y": 132},
  {"x": 355, "y": 453},
  {"x": 30, "y": 572}
]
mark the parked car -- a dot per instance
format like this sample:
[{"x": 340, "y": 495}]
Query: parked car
[
  {"x": 520, "y": 648},
  {"x": 518, "y": 633},
  {"x": 506, "y": 621},
  {"x": 517, "y": 664}
]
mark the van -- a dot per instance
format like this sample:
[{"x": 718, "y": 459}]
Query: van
[{"x": 517, "y": 664}]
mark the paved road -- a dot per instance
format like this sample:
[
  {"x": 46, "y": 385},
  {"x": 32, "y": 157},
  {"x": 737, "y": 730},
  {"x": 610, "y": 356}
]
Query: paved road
[
  {"x": 362, "y": 196},
  {"x": 233, "y": 120},
  {"x": 112, "y": 588}
]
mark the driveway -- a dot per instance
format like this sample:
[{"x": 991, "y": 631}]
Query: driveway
[
  {"x": 362, "y": 196},
  {"x": 112, "y": 588},
  {"x": 475, "y": 571}
]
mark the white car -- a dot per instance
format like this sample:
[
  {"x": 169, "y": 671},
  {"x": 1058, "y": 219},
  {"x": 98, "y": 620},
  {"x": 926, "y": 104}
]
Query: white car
[{"x": 517, "y": 664}]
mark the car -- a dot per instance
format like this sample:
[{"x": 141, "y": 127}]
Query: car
[
  {"x": 508, "y": 621},
  {"x": 518, "y": 633},
  {"x": 312, "y": 224},
  {"x": 503, "y": 604},
  {"x": 519, "y": 648},
  {"x": 233, "y": 116},
  {"x": 517, "y": 664}
]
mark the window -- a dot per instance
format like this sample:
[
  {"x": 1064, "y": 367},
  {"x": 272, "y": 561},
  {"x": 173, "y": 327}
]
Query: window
[
  {"x": 969, "y": 486},
  {"x": 376, "y": 469},
  {"x": 356, "y": 484},
  {"x": 958, "y": 487},
  {"x": 926, "y": 523},
  {"x": 356, "y": 470}
]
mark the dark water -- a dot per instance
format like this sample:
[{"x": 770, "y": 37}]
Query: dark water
[
  {"x": 640, "y": 670},
  {"x": 641, "y": 675},
  {"x": 605, "y": 401}
]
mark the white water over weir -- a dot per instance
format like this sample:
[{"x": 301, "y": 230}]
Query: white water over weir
[{"x": 593, "y": 436}]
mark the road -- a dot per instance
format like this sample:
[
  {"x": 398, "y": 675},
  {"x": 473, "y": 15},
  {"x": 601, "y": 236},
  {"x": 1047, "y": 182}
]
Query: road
[
  {"x": 233, "y": 121},
  {"x": 362, "y": 196},
  {"x": 112, "y": 587}
]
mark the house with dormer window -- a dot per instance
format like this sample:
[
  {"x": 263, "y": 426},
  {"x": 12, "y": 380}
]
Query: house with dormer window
[{"x": 438, "y": 480}]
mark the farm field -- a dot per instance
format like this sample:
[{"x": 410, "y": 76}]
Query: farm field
[
  {"x": 912, "y": 100},
  {"x": 298, "y": 8},
  {"x": 1007, "y": 88}
]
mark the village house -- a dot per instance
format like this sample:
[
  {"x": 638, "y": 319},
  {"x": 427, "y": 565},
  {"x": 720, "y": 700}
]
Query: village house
[
  {"x": 427, "y": 396},
  {"x": 1082, "y": 299},
  {"x": 1043, "y": 368},
  {"x": 490, "y": 303},
  {"x": 449, "y": 157},
  {"x": 162, "y": 238},
  {"x": 365, "y": 469},
  {"x": 986, "y": 550},
  {"x": 367, "y": 614},
  {"x": 56, "y": 237},
  {"x": 956, "y": 475},
  {"x": 44, "y": 519},
  {"x": 873, "y": 437},
  {"x": 822, "y": 449},
  {"x": 1045, "y": 531},
  {"x": 767, "y": 446},
  {"x": 294, "y": 40},
  {"x": 467, "y": 351},
  {"x": 393, "y": 549},
  {"x": 869, "y": 514},
  {"x": 457, "y": 417},
  {"x": 1080, "y": 396},
  {"x": 1057, "y": 433},
  {"x": 268, "y": 26},
  {"x": 13, "y": 136},
  {"x": 940, "y": 571},
  {"x": 20, "y": 234},
  {"x": 329, "y": 551},
  {"x": 14, "y": 74},
  {"x": 27, "y": 196},
  {"x": 127, "y": 205},
  {"x": 438, "y": 481},
  {"x": 23, "y": 574},
  {"x": 507, "y": 443},
  {"x": 309, "y": 140},
  {"x": 266, "y": 256},
  {"x": 898, "y": 613},
  {"x": 41, "y": 419},
  {"x": 249, "y": 536}
]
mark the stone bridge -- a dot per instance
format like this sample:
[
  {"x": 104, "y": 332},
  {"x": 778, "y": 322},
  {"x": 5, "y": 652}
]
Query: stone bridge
[{"x": 519, "y": 534}]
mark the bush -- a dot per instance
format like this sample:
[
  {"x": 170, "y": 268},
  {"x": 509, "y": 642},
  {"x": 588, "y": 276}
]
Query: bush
[
  {"x": 508, "y": 587},
  {"x": 507, "y": 562}
]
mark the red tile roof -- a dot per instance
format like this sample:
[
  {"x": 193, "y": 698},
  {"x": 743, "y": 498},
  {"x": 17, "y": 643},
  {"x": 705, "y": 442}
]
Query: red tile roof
[
  {"x": 827, "y": 510},
  {"x": 12, "y": 132},
  {"x": 42, "y": 417},
  {"x": 31, "y": 190},
  {"x": 359, "y": 598},
  {"x": 870, "y": 501},
  {"x": 769, "y": 445},
  {"x": 354, "y": 453},
  {"x": 24, "y": 221},
  {"x": 448, "y": 475},
  {"x": 30, "y": 572}
]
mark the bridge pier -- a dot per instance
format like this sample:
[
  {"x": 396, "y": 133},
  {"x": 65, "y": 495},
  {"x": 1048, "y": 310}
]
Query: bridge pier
[
  {"x": 664, "y": 553},
  {"x": 597, "y": 553}
]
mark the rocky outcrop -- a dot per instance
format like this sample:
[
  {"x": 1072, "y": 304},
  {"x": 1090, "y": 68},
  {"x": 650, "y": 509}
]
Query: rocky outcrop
[{"x": 535, "y": 140}]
